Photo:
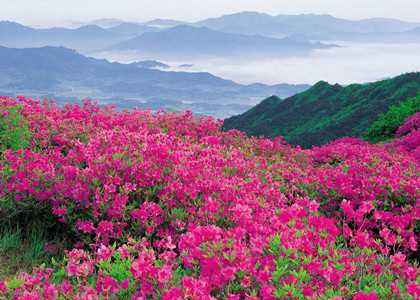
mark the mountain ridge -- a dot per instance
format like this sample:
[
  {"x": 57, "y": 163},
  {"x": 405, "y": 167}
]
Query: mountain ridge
[
  {"x": 62, "y": 72},
  {"x": 325, "y": 111},
  {"x": 84, "y": 39},
  {"x": 188, "y": 40}
]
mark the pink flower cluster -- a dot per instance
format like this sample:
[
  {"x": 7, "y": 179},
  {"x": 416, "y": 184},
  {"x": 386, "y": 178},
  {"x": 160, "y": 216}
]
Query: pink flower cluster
[
  {"x": 166, "y": 206},
  {"x": 410, "y": 136}
]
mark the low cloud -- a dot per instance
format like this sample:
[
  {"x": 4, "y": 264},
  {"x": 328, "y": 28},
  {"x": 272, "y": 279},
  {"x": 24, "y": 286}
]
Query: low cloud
[
  {"x": 352, "y": 63},
  {"x": 356, "y": 63}
]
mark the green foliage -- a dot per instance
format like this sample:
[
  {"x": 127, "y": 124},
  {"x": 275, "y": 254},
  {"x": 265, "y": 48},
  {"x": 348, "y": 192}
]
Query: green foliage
[
  {"x": 325, "y": 112},
  {"x": 14, "y": 133},
  {"x": 388, "y": 124},
  {"x": 22, "y": 245}
]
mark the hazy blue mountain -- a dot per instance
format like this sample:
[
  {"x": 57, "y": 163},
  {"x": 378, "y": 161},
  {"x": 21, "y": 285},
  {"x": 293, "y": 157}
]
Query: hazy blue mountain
[
  {"x": 132, "y": 29},
  {"x": 10, "y": 31},
  {"x": 241, "y": 19},
  {"x": 65, "y": 74},
  {"x": 276, "y": 30},
  {"x": 283, "y": 25},
  {"x": 107, "y": 22},
  {"x": 409, "y": 36},
  {"x": 163, "y": 23},
  {"x": 242, "y": 34},
  {"x": 187, "y": 41},
  {"x": 365, "y": 25},
  {"x": 85, "y": 38}
]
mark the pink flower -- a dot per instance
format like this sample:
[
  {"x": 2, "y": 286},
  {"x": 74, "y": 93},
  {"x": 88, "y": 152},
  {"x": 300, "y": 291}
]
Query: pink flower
[
  {"x": 85, "y": 226},
  {"x": 59, "y": 211},
  {"x": 165, "y": 274},
  {"x": 395, "y": 289},
  {"x": 169, "y": 244},
  {"x": 228, "y": 273},
  {"x": 377, "y": 269},
  {"x": 246, "y": 282},
  {"x": 363, "y": 296},
  {"x": 413, "y": 288},
  {"x": 398, "y": 258},
  {"x": 366, "y": 207},
  {"x": 411, "y": 273},
  {"x": 412, "y": 244},
  {"x": 313, "y": 206},
  {"x": 347, "y": 208},
  {"x": 123, "y": 250},
  {"x": 124, "y": 284},
  {"x": 3, "y": 287},
  {"x": 174, "y": 293},
  {"x": 104, "y": 253},
  {"x": 106, "y": 285}
]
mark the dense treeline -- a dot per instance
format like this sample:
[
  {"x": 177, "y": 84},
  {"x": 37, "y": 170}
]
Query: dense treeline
[{"x": 325, "y": 112}]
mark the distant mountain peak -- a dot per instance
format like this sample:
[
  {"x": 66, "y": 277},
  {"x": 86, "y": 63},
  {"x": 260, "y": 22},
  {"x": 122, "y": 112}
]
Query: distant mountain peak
[
  {"x": 90, "y": 27},
  {"x": 106, "y": 22}
]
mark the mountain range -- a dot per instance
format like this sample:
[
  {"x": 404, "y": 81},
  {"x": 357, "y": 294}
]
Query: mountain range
[
  {"x": 241, "y": 33},
  {"x": 185, "y": 41},
  {"x": 65, "y": 74},
  {"x": 180, "y": 41},
  {"x": 308, "y": 25},
  {"x": 19, "y": 36},
  {"x": 325, "y": 112},
  {"x": 403, "y": 37},
  {"x": 257, "y": 23}
]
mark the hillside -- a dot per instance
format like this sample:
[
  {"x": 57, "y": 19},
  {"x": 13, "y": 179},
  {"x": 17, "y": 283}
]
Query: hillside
[
  {"x": 165, "y": 206},
  {"x": 325, "y": 112},
  {"x": 60, "y": 72}
]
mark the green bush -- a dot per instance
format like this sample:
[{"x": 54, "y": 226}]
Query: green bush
[
  {"x": 385, "y": 128},
  {"x": 14, "y": 133}
]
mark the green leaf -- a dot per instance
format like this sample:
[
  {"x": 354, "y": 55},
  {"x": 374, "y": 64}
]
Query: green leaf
[{"x": 339, "y": 266}]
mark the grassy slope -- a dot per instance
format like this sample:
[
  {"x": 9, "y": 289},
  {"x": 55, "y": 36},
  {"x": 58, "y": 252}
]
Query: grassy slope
[{"x": 325, "y": 112}]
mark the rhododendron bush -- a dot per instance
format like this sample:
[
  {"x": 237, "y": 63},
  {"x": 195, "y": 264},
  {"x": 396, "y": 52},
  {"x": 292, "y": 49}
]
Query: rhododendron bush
[
  {"x": 409, "y": 135},
  {"x": 166, "y": 206}
]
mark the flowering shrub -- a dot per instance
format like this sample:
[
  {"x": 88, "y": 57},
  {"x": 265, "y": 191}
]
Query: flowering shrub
[
  {"x": 408, "y": 136},
  {"x": 164, "y": 205}
]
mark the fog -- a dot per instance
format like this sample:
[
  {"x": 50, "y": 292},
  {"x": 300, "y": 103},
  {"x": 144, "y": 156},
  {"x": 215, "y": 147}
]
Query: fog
[{"x": 350, "y": 63}]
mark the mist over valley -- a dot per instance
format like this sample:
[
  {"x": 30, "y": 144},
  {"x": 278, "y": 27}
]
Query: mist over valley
[{"x": 218, "y": 66}]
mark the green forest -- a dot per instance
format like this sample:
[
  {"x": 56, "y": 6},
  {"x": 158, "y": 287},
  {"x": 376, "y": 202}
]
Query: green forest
[{"x": 327, "y": 112}]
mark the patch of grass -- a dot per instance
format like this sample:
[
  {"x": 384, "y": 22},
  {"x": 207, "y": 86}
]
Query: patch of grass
[{"x": 22, "y": 245}]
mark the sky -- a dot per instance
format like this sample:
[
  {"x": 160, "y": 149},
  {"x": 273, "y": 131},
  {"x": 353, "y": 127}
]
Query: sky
[{"x": 46, "y": 12}]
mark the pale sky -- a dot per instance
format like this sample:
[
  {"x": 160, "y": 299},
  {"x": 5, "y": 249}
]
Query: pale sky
[{"x": 33, "y": 12}]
